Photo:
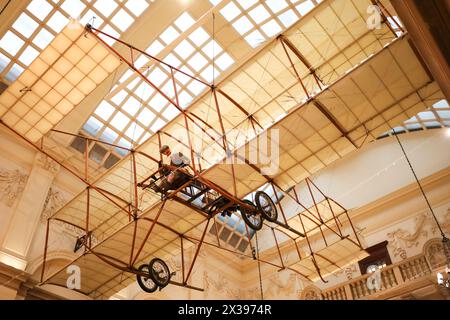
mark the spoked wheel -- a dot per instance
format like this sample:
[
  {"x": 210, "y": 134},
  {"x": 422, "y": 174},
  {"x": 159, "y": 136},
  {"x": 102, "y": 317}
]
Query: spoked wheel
[
  {"x": 146, "y": 282},
  {"x": 251, "y": 217},
  {"x": 160, "y": 272},
  {"x": 266, "y": 206},
  {"x": 217, "y": 204}
]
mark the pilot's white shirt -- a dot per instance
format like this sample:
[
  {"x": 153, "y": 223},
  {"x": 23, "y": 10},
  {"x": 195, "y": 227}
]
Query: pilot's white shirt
[{"x": 177, "y": 158}]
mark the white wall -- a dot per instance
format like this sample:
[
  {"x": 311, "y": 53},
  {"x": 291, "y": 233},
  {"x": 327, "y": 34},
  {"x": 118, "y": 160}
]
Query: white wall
[{"x": 380, "y": 167}]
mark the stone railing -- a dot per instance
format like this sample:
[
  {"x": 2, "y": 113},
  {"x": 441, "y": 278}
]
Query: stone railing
[{"x": 390, "y": 277}]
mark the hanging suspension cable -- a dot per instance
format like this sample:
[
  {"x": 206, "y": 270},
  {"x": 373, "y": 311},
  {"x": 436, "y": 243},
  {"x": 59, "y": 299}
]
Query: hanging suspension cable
[
  {"x": 259, "y": 267},
  {"x": 445, "y": 240},
  {"x": 419, "y": 184}
]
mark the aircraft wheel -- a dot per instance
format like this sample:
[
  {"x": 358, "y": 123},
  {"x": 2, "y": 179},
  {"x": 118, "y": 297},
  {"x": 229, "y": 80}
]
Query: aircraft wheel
[
  {"x": 160, "y": 272},
  {"x": 251, "y": 217},
  {"x": 266, "y": 206},
  {"x": 146, "y": 282}
]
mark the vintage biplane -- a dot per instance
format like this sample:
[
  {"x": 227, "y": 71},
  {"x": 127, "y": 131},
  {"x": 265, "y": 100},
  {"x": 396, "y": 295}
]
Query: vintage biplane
[{"x": 328, "y": 85}]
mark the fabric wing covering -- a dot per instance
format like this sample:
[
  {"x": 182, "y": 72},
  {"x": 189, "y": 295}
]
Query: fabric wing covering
[{"x": 68, "y": 70}]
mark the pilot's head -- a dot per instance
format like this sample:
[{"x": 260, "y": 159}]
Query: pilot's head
[{"x": 165, "y": 149}]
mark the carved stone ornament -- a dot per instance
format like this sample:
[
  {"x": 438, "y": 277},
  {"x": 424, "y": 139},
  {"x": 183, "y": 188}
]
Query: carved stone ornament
[
  {"x": 54, "y": 201},
  {"x": 47, "y": 163},
  {"x": 311, "y": 293},
  {"x": 400, "y": 239},
  {"x": 220, "y": 284},
  {"x": 434, "y": 253},
  {"x": 12, "y": 184}
]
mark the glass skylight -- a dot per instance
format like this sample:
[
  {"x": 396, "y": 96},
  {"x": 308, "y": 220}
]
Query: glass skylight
[
  {"x": 305, "y": 7},
  {"x": 42, "y": 20},
  {"x": 11, "y": 43},
  {"x": 40, "y": 9},
  {"x": 184, "y": 21},
  {"x": 25, "y": 25},
  {"x": 169, "y": 35},
  {"x": 230, "y": 11},
  {"x": 276, "y": 5},
  {"x": 438, "y": 116},
  {"x": 137, "y": 105},
  {"x": 73, "y": 8},
  {"x": 259, "y": 14},
  {"x": 269, "y": 17}
]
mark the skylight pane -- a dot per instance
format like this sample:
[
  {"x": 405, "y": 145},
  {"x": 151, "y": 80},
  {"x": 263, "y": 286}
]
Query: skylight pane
[
  {"x": 57, "y": 22},
  {"x": 255, "y": 38},
  {"x": 104, "y": 110},
  {"x": 105, "y": 7},
  {"x": 210, "y": 73},
  {"x": 133, "y": 83},
  {"x": 144, "y": 91},
  {"x": 120, "y": 121},
  {"x": 184, "y": 21},
  {"x": 172, "y": 60},
  {"x": 426, "y": 115},
  {"x": 157, "y": 125},
  {"x": 11, "y": 43},
  {"x": 119, "y": 97},
  {"x": 141, "y": 61},
  {"x": 28, "y": 55},
  {"x": 288, "y": 18},
  {"x": 14, "y": 72},
  {"x": 43, "y": 38},
  {"x": 158, "y": 102},
  {"x": 169, "y": 35},
  {"x": 243, "y": 25},
  {"x": 184, "y": 49},
  {"x": 92, "y": 126},
  {"x": 185, "y": 99},
  {"x": 245, "y": 4},
  {"x": 131, "y": 106},
  {"x": 25, "y": 25},
  {"x": 109, "y": 135},
  {"x": 170, "y": 112},
  {"x": 199, "y": 36},
  {"x": 230, "y": 11},
  {"x": 196, "y": 87},
  {"x": 123, "y": 143},
  {"x": 276, "y": 5},
  {"x": 442, "y": 104},
  {"x": 212, "y": 49},
  {"x": 122, "y": 20},
  {"x": 93, "y": 18},
  {"x": 39, "y": 8},
  {"x": 154, "y": 48},
  {"x": 134, "y": 132},
  {"x": 146, "y": 117},
  {"x": 215, "y": 2},
  {"x": 305, "y": 7},
  {"x": 4, "y": 61},
  {"x": 157, "y": 76},
  {"x": 224, "y": 61},
  {"x": 136, "y": 6},
  {"x": 110, "y": 30},
  {"x": 73, "y": 8},
  {"x": 271, "y": 28},
  {"x": 197, "y": 61},
  {"x": 259, "y": 14}
]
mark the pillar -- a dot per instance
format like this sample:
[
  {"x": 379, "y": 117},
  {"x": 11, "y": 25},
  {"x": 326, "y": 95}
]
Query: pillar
[{"x": 25, "y": 219}]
